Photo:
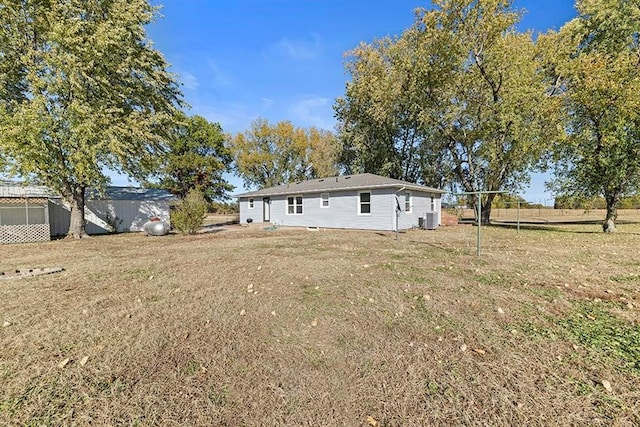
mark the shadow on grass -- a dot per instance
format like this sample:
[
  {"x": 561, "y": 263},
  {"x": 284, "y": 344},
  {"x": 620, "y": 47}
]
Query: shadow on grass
[{"x": 211, "y": 228}]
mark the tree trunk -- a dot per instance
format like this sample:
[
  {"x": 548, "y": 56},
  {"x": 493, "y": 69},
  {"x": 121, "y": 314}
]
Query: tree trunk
[
  {"x": 609, "y": 225},
  {"x": 77, "y": 226},
  {"x": 486, "y": 208}
]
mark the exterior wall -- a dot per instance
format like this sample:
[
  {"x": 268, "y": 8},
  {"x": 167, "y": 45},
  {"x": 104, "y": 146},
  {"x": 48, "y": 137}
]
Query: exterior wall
[
  {"x": 343, "y": 210},
  {"x": 130, "y": 215},
  {"x": 256, "y": 213},
  {"x": 420, "y": 205},
  {"x": 341, "y": 213}
]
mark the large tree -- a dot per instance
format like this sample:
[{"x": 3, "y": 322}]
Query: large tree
[
  {"x": 196, "y": 158},
  {"x": 84, "y": 91},
  {"x": 458, "y": 97},
  {"x": 268, "y": 155},
  {"x": 596, "y": 60}
]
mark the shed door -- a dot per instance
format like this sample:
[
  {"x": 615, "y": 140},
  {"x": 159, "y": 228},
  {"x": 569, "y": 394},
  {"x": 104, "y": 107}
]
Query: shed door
[{"x": 266, "y": 209}]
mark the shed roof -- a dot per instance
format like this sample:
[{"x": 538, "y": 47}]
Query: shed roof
[
  {"x": 13, "y": 189},
  {"x": 336, "y": 183},
  {"x": 131, "y": 193}
]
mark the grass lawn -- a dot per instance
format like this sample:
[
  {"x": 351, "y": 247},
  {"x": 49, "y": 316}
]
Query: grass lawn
[{"x": 295, "y": 327}]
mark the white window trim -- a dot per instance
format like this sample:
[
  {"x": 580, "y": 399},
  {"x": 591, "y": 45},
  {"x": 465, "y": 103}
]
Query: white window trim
[
  {"x": 295, "y": 205},
  {"x": 322, "y": 206},
  {"x": 360, "y": 203},
  {"x": 410, "y": 201},
  {"x": 251, "y": 203}
]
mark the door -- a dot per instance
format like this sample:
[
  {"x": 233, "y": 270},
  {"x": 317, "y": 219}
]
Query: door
[{"x": 266, "y": 209}]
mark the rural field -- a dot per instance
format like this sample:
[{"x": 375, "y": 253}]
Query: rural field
[{"x": 255, "y": 327}]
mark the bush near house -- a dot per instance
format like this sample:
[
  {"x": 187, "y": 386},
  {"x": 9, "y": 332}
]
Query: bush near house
[{"x": 189, "y": 213}]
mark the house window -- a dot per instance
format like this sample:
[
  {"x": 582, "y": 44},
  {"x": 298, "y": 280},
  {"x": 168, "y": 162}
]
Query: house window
[
  {"x": 324, "y": 200},
  {"x": 250, "y": 203},
  {"x": 407, "y": 201},
  {"x": 294, "y": 205},
  {"x": 364, "y": 203}
]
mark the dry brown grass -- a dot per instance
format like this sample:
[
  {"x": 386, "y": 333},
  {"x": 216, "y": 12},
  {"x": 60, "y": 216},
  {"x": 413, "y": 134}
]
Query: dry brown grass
[
  {"x": 221, "y": 219},
  {"x": 291, "y": 327},
  {"x": 555, "y": 216}
]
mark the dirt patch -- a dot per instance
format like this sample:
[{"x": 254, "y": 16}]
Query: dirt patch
[{"x": 291, "y": 327}]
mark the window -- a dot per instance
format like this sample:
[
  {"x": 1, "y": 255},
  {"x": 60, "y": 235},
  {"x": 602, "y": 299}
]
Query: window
[
  {"x": 294, "y": 205},
  {"x": 364, "y": 203},
  {"x": 250, "y": 203},
  {"x": 407, "y": 201},
  {"x": 324, "y": 200},
  {"x": 23, "y": 213}
]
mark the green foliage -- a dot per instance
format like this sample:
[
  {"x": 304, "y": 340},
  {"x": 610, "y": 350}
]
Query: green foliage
[
  {"x": 597, "y": 329},
  {"x": 195, "y": 157},
  {"x": 595, "y": 60},
  {"x": 269, "y": 155},
  {"x": 509, "y": 201},
  {"x": 81, "y": 90},
  {"x": 189, "y": 213},
  {"x": 458, "y": 98},
  {"x": 224, "y": 207}
]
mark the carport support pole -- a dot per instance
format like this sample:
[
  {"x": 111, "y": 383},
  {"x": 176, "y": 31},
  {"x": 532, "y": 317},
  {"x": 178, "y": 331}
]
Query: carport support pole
[
  {"x": 479, "y": 222},
  {"x": 518, "y": 215}
]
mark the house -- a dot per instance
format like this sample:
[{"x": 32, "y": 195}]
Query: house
[
  {"x": 36, "y": 213},
  {"x": 363, "y": 201}
]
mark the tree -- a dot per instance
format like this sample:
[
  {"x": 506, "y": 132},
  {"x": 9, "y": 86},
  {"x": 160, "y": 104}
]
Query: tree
[
  {"x": 269, "y": 155},
  {"x": 380, "y": 124},
  {"x": 598, "y": 69},
  {"x": 459, "y": 95},
  {"x": 196, "y": 157},
  {"x": 86, "y": 92}
]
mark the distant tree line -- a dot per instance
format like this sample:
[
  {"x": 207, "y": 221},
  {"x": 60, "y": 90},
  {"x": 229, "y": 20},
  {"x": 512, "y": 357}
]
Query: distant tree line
[
  {"x": 508, "y": 201},
  {"x": 566, "y": 202}
]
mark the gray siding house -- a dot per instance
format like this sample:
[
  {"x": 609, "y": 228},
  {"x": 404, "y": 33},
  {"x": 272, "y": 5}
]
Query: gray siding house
[{"x": 363, "y": 201}]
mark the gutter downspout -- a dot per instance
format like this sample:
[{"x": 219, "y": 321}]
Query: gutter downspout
[{"x": 398, "y": 210}]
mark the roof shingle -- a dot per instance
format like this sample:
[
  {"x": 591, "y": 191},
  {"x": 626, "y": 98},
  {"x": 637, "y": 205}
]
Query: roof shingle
[{"x": 336, "y": 183}]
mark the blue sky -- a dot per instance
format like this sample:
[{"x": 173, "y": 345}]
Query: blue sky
[{"x": 284, "y": 59}]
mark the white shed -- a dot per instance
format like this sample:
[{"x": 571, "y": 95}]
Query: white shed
[{"x": 117, "y": 209}]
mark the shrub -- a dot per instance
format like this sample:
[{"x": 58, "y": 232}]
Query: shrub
[{"x": 189, "y": 213}]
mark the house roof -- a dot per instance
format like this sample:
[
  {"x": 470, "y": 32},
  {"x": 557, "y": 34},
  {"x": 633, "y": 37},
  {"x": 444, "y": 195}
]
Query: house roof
[{"x": 361, "y": 181}]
